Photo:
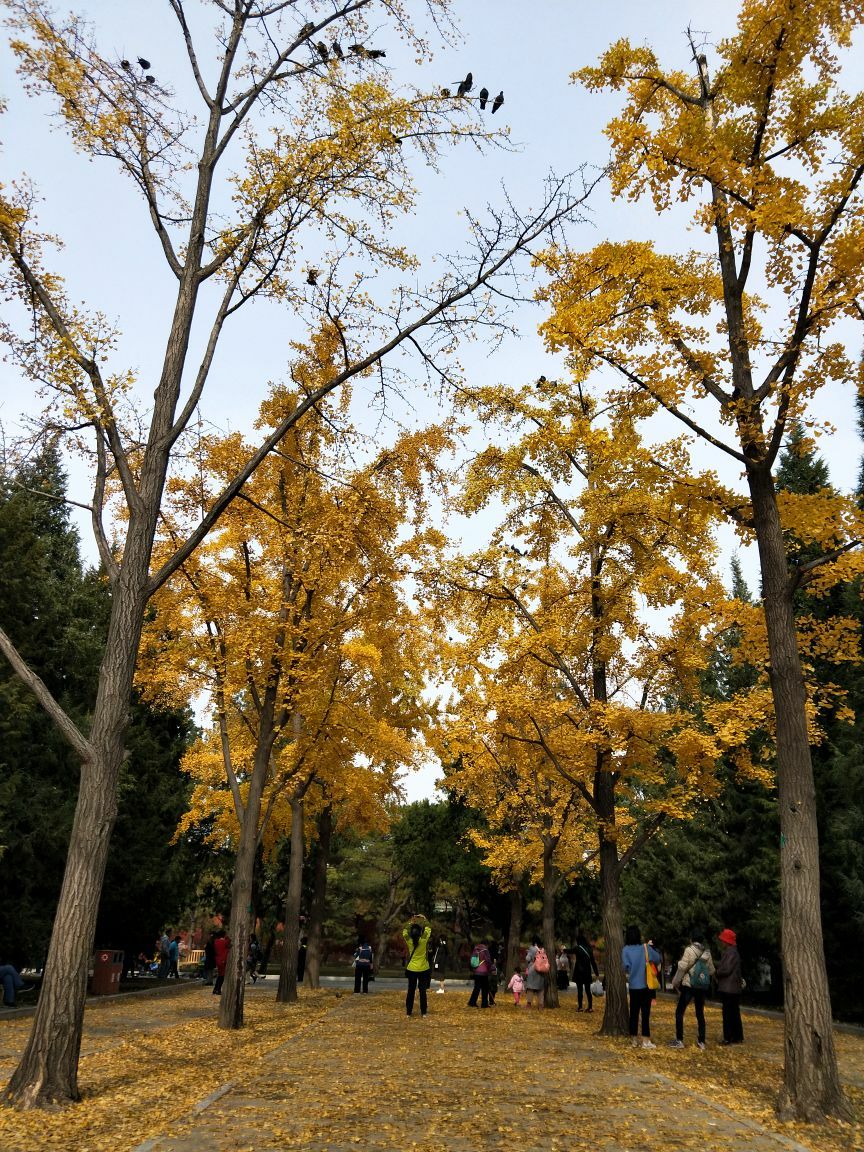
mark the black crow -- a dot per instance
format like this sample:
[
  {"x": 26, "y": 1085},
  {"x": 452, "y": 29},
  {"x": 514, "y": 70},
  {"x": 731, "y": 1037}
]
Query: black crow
[
  {"x": 145, "y": 64},
  {"x": 465, "y": 85},
  {"x": 150, "y": 79},
  {"x": 497, "y": 102},
  {"x": 375, "y": 53},
  {"x": 321, "y": 49},
  {"x": 125, "y": 64},
  {"x": 484, "y": 96},
  {"x": 336, "y": 49}
]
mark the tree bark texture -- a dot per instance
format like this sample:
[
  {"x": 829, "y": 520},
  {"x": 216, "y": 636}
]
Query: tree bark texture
[
  {"x": 615, "y": 1009},
  {"x": 811, "y": 1083},
  {"x": 287, "y": 991},
  {"x": 550, "y": 886},
  {"x": 312, "y": 977},
  {"x": 514, "y": 932}
]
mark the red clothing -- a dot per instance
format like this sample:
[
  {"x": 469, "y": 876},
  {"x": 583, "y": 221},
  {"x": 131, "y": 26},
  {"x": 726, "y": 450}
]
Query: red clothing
[{"x": 221, "y": 946}]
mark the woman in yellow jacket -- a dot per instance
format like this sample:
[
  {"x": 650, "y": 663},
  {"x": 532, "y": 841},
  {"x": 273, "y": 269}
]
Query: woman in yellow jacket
[{"x": 416, "y": 935}]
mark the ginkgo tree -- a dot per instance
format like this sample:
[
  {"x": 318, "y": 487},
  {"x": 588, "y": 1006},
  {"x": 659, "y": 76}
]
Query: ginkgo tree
[
  {"x": 583, "y": 628},
  {"x": 291, "y": 618},
  {"x": 277, "y": 152},
  {"x": 765, "y": 147}
]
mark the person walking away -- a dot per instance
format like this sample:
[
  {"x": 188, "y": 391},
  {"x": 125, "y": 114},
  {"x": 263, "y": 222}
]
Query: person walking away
[
  {"x": 164, "y": 954},
  {"x": 730, "y": 985},
  {"x": 562, "y": 970},
  {"x": 583, "y": 966},
  {"x": 416, "y": 934},
  {"x": 174, "y": 958},
  {"x": 635, "y": 960},
  {"x": 209, "y": 960},
  {"x": 222, "y": 946},
  {"x": 439, "y": 964},
  {"x": 692, "y": 980},
  {"x": 363, "y": 958},
  {"x": 481, "y": 966},
  {"x": 517, "y": 985},
  {"x": 535, "y": 978},
  {"x": 253, "y": 958}
]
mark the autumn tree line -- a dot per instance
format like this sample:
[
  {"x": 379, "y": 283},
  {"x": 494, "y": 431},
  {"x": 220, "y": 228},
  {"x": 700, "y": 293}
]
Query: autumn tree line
[{"x": 575, "y": 659}]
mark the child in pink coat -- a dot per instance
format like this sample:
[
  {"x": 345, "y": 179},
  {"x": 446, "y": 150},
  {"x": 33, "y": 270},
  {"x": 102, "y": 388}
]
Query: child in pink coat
[{"x": 517, "y": 984}]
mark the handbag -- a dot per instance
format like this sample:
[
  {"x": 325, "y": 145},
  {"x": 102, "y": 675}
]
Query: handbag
[{"x": 652, "y": 980}]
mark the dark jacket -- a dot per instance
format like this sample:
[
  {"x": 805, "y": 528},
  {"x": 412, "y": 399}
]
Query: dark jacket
[
  {"x": 584, "y": 962},
  {"x": 729, "y": 971}
]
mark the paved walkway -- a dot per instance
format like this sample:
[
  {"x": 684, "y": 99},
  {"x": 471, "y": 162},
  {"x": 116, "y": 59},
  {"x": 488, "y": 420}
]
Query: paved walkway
[{"x": 365, "y": 1075}]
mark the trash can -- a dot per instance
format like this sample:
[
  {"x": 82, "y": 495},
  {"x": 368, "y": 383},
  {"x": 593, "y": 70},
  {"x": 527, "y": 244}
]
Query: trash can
[{"x": 107, "y": 970}]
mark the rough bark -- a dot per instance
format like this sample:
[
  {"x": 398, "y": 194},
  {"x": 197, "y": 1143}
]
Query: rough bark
[
  {"x": 550, "y": 887},
  {"x": 514, "y": 932},
  {"x": 811, "y": 1083},
  {"x": 312, "y": 976},
  {"x": 615, "y": 1011},
  {"x": 287, "y": 991}
]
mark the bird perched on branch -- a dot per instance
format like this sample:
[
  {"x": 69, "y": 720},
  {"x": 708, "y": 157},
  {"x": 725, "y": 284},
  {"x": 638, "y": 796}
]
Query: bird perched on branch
[
  {"x": 484, "y": 96},
  {"x": 307, "y": 29},
  {"x": 321, "y": 49},
  {"x": 497, "y": 102},
  {"x": 357, "y": 49},
  {"x": 336, "y": 49},
  {"x": 375, "y": 53},
  {"x": 312, "y": 276},
  {"x": 125, "y": 64},
  {"x": 143, "y": 64},
  {"x": 150, "y": 79},
  {"x": 465, "y": 85},
  {"x": 445, "y": 92}
]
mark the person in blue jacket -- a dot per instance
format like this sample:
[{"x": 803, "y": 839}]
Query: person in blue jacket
[{"x": 635, "y": 957}]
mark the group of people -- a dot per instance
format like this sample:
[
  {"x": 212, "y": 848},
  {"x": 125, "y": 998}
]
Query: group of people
[{"x": 691, "y": 980}]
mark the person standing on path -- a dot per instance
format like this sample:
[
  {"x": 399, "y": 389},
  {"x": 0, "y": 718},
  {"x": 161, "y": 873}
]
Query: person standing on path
[
  {"x": 301, "y": 958},
  {"x": 635, "y": 958},
  {"x": 164, "y": 950},
  {"x": 692, "y": 981},
  {"x": 209, "y": 966},
  {"x": 583, "y": 965},
  {"x": 222, "y": 945},
  {"x": 416, "y": 935},
  {"x": 517, "y": 985},
  {"x": 729, "y": 985},
  {"x": 562, "y": 969},
  {"x": 174, "y": 958},
  {"x": 439, "y": 964},
  {"x": 535, "y": 981},
  {"x": 481, "y": 966},
  {"x": 363, "y": 958}
]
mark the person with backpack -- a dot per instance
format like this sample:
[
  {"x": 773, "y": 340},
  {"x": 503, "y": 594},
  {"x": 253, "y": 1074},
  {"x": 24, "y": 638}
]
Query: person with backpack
[
  {"x": 363, "y": 958},
  {"x": 481, "y": 966},
  {"x": 640, "y": 962},
  {"x": 692, "y": 981},
  {"x": 536, "y": 971},
  {"x": 416, "y": 934},
  {"x": 583, "y": 965}
]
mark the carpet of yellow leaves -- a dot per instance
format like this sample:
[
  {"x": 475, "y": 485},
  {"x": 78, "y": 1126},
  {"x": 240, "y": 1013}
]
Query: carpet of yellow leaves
[{"x": 334, "y": 1073}]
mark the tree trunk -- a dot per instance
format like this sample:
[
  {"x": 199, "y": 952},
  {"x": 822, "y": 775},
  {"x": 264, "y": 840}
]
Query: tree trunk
[
  {"x": 317, "y": 911},
  {"x": 48, "y": 1070},
  {"x": 550, "y": 886},
  {"x": 242, "y": 906},
  {"x": 615, "y": 1009},
  {"x": 514, "y": 932},
  {"x": 811, "y": 1082},
  {"x": 287, "y": 991}
]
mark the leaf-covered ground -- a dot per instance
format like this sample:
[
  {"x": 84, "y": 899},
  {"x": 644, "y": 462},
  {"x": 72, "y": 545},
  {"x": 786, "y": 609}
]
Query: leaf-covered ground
[{"x": 340, "y": 1072}]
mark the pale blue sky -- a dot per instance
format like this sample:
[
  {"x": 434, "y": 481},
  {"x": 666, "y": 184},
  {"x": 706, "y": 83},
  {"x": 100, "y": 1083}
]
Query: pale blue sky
[{"x": 111, "y": 259}]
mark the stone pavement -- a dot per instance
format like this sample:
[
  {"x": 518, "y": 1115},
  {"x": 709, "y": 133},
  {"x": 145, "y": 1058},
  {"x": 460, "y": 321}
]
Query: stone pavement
[{"x": 363, "y": 1074}]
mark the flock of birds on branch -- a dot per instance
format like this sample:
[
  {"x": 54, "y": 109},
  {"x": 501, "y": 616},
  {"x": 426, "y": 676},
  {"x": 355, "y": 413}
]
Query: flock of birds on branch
[{"x": 335, "y": 52}]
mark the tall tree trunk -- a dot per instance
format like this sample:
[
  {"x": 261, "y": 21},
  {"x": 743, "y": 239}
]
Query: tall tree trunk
[
  {"x": 550, "y": 887},
  {"x": 615, "y": 1010},
  {"x": 287, "y": 991},
  {"x": 317, "y": 911},
  {"x": 811, "y": 1082},
  {"x": 48, "y": 1069},
  {"x": 514, "y": 932},
  {"x": 242, "y": 905}
]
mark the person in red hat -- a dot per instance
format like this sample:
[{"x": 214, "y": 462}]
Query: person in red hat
[{"x": 729, "y": 985}]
